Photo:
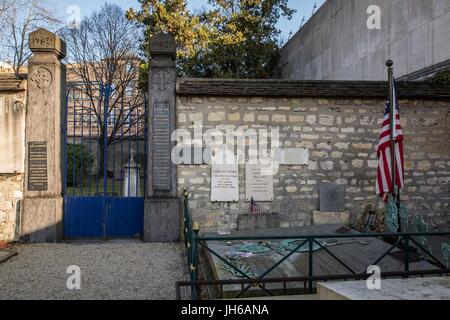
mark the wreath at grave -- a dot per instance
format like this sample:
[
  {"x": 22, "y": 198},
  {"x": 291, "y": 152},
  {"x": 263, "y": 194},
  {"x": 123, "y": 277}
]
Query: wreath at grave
[{"x": 235, "y": 260}]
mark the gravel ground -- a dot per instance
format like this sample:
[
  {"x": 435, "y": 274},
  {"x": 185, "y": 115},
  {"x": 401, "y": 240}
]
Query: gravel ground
[{"x": 108, "y": 271}]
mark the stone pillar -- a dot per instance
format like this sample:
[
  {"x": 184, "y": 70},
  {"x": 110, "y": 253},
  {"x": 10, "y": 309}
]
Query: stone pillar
[
  {"x": 42, "y": 216},
  {"x": 162, "y": 207}
]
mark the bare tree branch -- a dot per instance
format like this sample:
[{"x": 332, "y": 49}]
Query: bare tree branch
[
  {"x": 18, "y": 19},
  {"x": 104, "y": 51}
]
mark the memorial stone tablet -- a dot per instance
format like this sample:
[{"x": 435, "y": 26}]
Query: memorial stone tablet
[
  {"x": 37, "y": 166},
  {"x": 161, "y": 147},
  {"x": 294, "y": 156},
  {"x": 258, "y": 183},
  {"x": 225, "y": 182},
  {"x": 332, "y": 198}
]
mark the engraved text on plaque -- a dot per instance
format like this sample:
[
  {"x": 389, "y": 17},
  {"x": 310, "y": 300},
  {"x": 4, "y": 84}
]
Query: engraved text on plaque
[
  {"x": 161, "y": 169},
  {"x": 37, "y": 166}
]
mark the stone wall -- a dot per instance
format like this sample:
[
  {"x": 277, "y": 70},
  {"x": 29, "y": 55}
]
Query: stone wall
[
  {"x": 12, "y": 152},
  {"x": 341, "y": 135},
  {"x": 11, "y": 193}
]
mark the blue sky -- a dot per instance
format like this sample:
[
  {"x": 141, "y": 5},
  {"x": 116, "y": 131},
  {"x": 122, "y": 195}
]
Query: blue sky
[{"x": 304, "y": 9}]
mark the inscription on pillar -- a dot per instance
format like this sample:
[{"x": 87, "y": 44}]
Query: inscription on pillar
[
  {"x": 161, "y": 170},
  {"x": 37, "y": 166},
  {"x": 42, "y": 41},
  {"x": 162, "y": 44}
]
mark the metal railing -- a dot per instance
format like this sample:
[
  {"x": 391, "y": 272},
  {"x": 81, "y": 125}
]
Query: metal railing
[
  {"x": 408, "y": 242},
  {"x": 198, "y": 285},
  {"x": 191, "y": 230}
]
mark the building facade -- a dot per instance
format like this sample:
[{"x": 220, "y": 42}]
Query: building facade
[{"x": 337, "y": 43}]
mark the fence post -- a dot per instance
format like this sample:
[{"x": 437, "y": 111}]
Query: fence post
[
  {"x": 406, "y": 238},
  {"x": 186, "y": 218},
  {"x": 310, "y": 264},
  {"x": 194, "y": 261}
]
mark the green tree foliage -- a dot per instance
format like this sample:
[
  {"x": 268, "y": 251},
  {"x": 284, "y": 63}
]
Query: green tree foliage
[
  {"x": 79, "y": 164},
  {"x": 230, "y": 38}
]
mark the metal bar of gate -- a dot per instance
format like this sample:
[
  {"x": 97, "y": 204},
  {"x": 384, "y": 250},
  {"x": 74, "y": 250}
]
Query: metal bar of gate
[
  {"x": 99, "y": 130},
  {"x": 130, "y": 126},
  {"x": 74, "y": 123},
  {"x": 64, "y": 128},
  {"x": 113, "y": 142},
  {"x": 81, "y": 148},
  {"x": 136, "y": 192},
  {"x": 121, "y": 148},
  {"x": 105, "y": 139},
  {"x": 90, "y": 152}
]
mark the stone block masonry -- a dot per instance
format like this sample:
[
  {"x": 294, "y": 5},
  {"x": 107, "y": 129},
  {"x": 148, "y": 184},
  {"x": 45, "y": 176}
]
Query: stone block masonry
[
  {"x": 341, "y": 134},
  {"x": 42, "y": 214},
  {"x": 12, "y": 153},
  {"x": 11, "y": 192}
]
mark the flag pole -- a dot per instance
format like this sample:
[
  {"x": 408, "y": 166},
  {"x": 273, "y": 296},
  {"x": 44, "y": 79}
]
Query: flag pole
[
  {"x": 389, "y": 64},
  {"x": 393, "y": 117}
]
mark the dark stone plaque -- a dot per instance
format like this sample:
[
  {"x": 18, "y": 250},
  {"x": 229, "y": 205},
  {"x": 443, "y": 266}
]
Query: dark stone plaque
[
  {"x": 37, "y": 166},
  {"x": 161, "y": 170},
  {"x": 332, "y": 198}
]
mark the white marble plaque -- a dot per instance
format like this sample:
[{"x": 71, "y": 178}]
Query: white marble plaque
[
  {"x": 224, "y": 182},
  {"x": 294, "y": 156},
  {"x": 258, "y": 183}
]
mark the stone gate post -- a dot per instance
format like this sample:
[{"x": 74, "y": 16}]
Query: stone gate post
[
  {"x": 162, "y": 207},
  {"x": 42, "y": 216}
]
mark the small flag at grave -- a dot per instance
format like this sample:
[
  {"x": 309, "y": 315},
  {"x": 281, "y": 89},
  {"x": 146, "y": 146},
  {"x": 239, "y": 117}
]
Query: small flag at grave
[{"x": 254, "y": 207}]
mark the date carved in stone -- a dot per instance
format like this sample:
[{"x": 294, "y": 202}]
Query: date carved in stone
[
  {"x": 44, "y": 42},
  {"x": 41, "y": 77}
]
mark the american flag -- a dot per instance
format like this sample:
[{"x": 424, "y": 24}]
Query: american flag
[
  {"x": 384, "y": 185},
  {"x": 254, "y": 207}
]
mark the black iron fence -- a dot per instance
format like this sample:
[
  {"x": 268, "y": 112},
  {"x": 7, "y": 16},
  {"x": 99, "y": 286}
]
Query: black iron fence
[{"x": 409, "y": 243}]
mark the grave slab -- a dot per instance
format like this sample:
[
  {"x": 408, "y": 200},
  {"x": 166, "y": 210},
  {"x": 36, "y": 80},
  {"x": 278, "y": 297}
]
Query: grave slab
[
  {"x": 429, "y": 288},
  {"x": 355, "y": 252}
]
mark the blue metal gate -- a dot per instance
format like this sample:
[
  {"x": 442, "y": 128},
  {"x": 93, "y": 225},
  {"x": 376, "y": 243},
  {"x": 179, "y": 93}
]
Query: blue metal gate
[{"x": 105, "y": 163}]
